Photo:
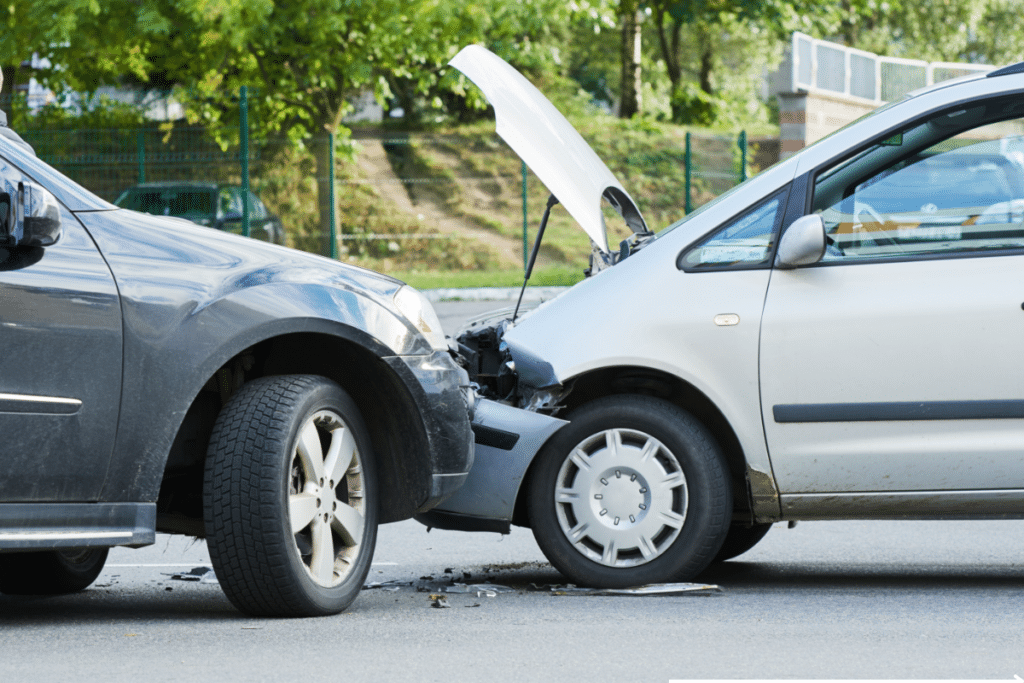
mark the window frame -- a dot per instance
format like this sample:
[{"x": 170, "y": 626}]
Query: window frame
[
  {"x": 783, "y": 195},
  {"x": 814, "y": 174}
]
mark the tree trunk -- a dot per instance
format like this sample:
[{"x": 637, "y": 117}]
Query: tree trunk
[
  {"x": 630, "y": 101},
  {"x": 707, "y": 55},
  {"x": 10, "y": 80},
  {"x": 848, "y": 24},
  {"x": 321, "y": 148},
  {"x": 669, "y": 42}
]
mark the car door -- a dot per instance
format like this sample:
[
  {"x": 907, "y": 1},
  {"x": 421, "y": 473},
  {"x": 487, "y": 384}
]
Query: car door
[
  {"x": 60, "y": 366},
  {"x": 891, "y": 368}
]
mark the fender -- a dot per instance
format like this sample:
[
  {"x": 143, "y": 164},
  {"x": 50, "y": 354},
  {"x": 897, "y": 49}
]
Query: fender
[{"x": 226, "y": 300}]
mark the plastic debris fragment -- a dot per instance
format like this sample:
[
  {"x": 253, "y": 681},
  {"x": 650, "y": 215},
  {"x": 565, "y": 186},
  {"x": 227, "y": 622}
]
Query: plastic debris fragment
[
  {"x": 390, "y": 586},
  {"x": 656, "y": 589},
  {"x": 439, "y": 601},
  {"x": 489, "y": 590},
  {"x": 199, "y": 574}
]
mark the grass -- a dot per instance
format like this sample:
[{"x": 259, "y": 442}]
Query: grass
[
  {"x": 475, "y": 176},
  {"x": 547, "y": 277}
]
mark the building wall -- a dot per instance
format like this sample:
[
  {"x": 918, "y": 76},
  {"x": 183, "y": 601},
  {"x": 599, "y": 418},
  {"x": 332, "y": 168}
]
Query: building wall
[{"x": 807, "y": 117}]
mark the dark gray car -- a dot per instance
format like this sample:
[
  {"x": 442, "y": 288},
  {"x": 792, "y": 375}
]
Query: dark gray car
[{"x": 161, "y": 376}]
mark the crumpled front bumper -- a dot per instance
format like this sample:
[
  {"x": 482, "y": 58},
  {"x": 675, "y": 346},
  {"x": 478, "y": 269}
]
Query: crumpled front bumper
[
  {"x": 446, "y": 402},
  {"x": 507, "y": 440}
]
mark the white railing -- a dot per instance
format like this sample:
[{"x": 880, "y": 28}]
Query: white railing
[{"x": 822, "y": 66}]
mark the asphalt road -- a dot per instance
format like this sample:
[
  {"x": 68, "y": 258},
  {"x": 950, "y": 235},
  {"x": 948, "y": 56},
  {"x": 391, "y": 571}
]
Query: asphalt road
[{"x": 891, "y": 600}]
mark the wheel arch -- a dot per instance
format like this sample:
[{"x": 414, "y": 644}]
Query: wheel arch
[
  {"x": 611, "y": 381},
  {"x": 342, "y": 355}
]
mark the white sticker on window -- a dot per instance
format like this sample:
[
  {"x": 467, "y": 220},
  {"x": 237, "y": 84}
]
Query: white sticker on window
[{"x": 731, "y": 253}]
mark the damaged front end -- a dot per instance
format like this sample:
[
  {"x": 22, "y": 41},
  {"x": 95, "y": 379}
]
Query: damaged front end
[
  {"x": 517, "y": 399},
  {"x": 514, "y": 377},
  {"x": 519, "y": 395}
]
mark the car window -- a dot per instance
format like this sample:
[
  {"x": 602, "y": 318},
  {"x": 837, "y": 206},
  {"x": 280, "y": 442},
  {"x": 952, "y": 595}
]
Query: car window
[
  {"x": 169, "y": 201},
  {"x": 949, "y": 185},
  {"x": 256, "y": 208},
  {"x": 744, "y": 242},
  {"x": 230, "y": 202}
]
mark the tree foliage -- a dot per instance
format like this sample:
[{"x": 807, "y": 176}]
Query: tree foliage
[
  {"x": 715, "y": 51},
  {"x": 936, "y": 30},
  {"x": 305, "y": 60}
]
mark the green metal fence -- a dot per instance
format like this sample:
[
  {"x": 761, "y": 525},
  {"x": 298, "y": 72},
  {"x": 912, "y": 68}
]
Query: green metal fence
[{"x": 461, "y": 200}]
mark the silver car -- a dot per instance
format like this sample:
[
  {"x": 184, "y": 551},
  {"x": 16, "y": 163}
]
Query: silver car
[{"x": 836, "y": 338}]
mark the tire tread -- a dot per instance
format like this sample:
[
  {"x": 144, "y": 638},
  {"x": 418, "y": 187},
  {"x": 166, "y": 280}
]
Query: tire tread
[{"x": 243, "y": 468}]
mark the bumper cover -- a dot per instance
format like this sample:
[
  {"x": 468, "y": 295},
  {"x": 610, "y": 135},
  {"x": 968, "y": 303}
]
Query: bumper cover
[
  {"x": 507, "y": 439},
  {"x": 445, "y": 401}
]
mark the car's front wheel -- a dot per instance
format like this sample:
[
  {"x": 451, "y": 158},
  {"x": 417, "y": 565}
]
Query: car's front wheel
[
  {"x": 633, "y": 491},
  {"x": 50, "y": 572},
  {"x": 290, "y": 498}
]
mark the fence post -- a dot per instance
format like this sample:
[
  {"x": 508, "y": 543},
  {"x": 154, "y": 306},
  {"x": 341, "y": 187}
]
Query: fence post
[
  {"x": 525, "y": 223},
  {"x": 140, "y": 142},
  {"x": 330, "y": 175},
  {"x": 742, "y": 142},
  {"x": 689, "y": 167},
  {"x": 243, "y": 133}
]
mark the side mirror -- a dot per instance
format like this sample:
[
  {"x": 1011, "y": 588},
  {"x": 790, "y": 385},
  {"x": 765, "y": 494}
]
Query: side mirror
[
  {"x": 802, "y": 244},
  {"x": 31, "y": 218}
]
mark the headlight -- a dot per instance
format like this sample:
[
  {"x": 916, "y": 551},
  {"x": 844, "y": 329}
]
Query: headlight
[{"x": 414, "y": 306}]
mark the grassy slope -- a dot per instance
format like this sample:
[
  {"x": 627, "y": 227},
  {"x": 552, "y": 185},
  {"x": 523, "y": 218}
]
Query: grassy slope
[{"x": 471, "y": 173}]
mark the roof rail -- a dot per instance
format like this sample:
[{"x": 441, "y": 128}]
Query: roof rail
[{"x": 1007, "y": 70}]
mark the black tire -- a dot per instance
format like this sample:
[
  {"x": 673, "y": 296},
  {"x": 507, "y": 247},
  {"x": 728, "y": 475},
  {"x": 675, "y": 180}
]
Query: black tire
[
  {"x": 261, "y": 471},
  {"x": 50, "y": 572},
  {"x": 628, "y": 465},
  {"x": 740, "y": 539}
]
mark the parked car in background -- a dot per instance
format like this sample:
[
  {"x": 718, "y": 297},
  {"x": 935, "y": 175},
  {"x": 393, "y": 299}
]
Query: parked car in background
[
  {"x": 160, "y": 376},
  {"x": 214, "y": 205},
  {"x": 836, "y": 338}
]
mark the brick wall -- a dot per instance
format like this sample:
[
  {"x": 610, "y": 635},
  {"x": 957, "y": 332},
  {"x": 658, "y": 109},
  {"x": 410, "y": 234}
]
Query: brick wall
[{"x": 806, "y": 117}]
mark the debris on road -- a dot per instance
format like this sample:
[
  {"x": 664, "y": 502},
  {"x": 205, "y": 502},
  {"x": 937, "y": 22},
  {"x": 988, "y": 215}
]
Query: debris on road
[
  {"x": 439, "y": 601},
  {"x": 390, "y": 586},
  {"x": 199, "y": 574},
  {"x": 489, "y": 590},
  {"x": 650, "y": 589}
]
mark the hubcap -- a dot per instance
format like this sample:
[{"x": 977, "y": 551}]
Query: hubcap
[
  {"x": 621, "y": 498},
  {"x": 325, "y": 498}
]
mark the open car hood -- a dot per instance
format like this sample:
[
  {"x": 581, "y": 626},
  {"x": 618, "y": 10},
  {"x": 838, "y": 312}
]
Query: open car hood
[{"x": 549, "y": 145}]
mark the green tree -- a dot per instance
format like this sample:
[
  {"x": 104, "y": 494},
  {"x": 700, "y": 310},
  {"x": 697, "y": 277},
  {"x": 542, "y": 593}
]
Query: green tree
[
  {"x": 308, "y": 59},
  {"x": 697, "y": 39},
  {"x": 33, "y": 27},
  {"x": 989, "y": 31},
  {"x": 75, "y": 38},
  {"x": 305, "y": 60}
]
